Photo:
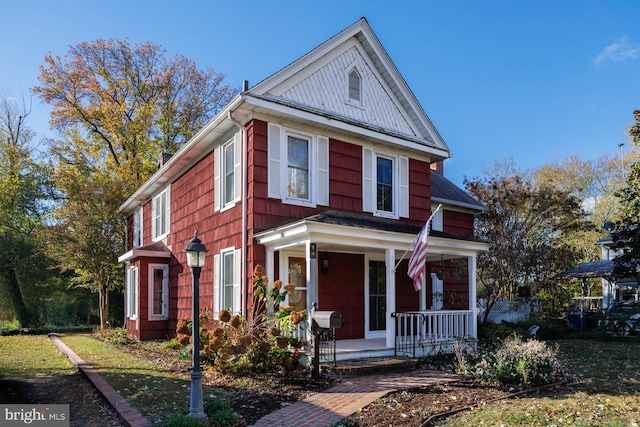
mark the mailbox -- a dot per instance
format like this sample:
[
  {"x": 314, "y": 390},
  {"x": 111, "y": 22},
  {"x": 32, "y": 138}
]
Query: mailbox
[{"x": 326, "y": 320}]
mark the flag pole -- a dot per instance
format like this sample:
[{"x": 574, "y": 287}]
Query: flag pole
[{"x": 407, "y": 251}]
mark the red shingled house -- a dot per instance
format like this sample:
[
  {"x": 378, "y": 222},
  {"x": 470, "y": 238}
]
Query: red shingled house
[{"x": 324, "y": 173}]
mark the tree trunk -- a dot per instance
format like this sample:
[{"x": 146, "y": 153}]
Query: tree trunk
[
  {"x": 102, "y": 306},
  {"x": 16, "y": 297}
]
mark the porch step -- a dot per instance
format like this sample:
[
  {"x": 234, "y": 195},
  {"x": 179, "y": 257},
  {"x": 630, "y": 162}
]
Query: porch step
[{"x": 369, "y": 366}]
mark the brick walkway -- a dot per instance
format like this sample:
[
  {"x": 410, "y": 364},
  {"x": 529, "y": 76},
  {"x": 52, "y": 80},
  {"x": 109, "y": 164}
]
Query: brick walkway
[
  {"x": 318, "y": 410},
  {"x": 128, "y": 413},
  {"x": 338, "y": 402}
]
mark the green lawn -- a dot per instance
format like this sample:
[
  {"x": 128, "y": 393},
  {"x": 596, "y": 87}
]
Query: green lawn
[
  {"x": 29, "y": 355},
  {"x": 604, "y": 391}
]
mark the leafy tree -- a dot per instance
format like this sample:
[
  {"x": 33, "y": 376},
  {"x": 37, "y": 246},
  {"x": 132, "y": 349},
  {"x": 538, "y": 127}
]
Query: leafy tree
[
  {"x": 117, "y": 107},
  {"x": 529, "y": 228},
  {"x": 629, "y": 195},
  {"x": 24, "y": 203},
  {"x": 626, "y": 237}
]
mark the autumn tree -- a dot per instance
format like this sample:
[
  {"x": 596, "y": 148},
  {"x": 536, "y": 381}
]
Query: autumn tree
[
  {"x": 626, "y": 235},
  {"x": 528, "y": 227},
  {"x": 25, "y": 196},
  {"x": 116, "y": 106}
]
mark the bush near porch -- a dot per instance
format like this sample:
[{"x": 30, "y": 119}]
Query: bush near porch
[{"x": 243, "y": 346}]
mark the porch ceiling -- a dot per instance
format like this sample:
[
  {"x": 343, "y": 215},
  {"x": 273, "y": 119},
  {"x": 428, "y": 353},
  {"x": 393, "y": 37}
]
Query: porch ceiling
[{"x": 346, "y": 232}]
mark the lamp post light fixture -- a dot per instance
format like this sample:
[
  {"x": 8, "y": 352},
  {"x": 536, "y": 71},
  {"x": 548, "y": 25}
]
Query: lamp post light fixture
[{"x": 196, "y": 251}]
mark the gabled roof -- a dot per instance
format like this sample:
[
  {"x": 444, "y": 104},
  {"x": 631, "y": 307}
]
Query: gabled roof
[
  {"x": 316, "y": 84},
  {"x": 446, "y": 192},
  {"x": 309, "y": 91}
]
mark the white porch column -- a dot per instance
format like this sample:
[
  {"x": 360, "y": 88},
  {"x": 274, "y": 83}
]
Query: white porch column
[
  {"x": 312, "y": 274},
  {"x": 390, "y": 260},
  {"x": 473, "y": 327},
  {"x": 270, "y": 269},
  {"x": 422, "y": 293}
]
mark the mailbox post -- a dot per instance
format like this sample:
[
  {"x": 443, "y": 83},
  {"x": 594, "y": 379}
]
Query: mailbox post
[{"x": 321, "y": 321}]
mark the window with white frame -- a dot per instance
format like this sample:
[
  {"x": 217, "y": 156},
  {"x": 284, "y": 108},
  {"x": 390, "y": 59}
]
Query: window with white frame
[
  {"x": 437, "y": 221},
  {"x": 132, "y": 292},
  {"x": 226, "y": 284},
  {"x": 355, "y": 87},
  {"x": 385, "y": 184},
  {"x": 227, "y": 173},
  {"x": 158, "y": 291},
  {"x": 160, "y": 224},
  {"x": 298, "y": 169},
  {"x": 137, "y": 228}
]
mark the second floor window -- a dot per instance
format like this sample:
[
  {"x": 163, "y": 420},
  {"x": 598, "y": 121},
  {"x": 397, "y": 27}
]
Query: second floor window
[
  {"x": 385, "y": 184},
  {"x": 227, "y": 174},
  {"x": 137, "y": 228},
  {"x": 160, "y": 223},
  {"x": 298, "y": 168},
  {"x": 384, "y": 191}
]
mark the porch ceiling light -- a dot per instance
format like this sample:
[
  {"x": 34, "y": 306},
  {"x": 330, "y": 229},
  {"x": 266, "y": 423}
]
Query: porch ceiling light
[{"x": 196, "y": 251}]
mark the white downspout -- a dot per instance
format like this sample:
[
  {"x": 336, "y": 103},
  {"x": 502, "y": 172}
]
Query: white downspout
[{"x": 243, "y": 250}]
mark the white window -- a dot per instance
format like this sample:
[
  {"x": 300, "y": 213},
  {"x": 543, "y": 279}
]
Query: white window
[
  {"x": 132, "y": 292},
  {"x": 158, "y": 291},
  {"x": 355, "y": 87},
  {"x": 227, "y": 173},
  {"x": 298, "y": 167},
  {"x": 385, "y": 184},
  {"x": 226, "y": 285},
  {"x": 160, "y": 215},
  {"x": 137, "y": 228},
  {"x": 436, "y": 222}
]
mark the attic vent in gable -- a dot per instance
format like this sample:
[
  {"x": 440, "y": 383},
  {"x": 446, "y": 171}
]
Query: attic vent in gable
[{"x": 355, "y": 86}]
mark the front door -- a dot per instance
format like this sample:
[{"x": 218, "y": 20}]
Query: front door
[{"x": 377, "y": 299}]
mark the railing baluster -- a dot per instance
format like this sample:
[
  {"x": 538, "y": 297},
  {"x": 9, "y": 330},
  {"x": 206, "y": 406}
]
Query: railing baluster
[{"x": 420, "y": 328}]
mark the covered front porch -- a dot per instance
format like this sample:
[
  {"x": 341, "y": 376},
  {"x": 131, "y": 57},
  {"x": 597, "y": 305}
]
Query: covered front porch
[{"x": 357, "y": 266}]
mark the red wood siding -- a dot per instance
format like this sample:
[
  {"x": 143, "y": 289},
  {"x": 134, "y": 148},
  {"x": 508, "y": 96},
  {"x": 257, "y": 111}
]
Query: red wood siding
[
  {"x": 458, "y": 223},
  {"x": 345, "y": 176},
  {"x": 345, "y": 184},
  {"x": 455, "y": 285},
  {"x": 419, "y": 192},
  {"x": 342, "y": 290},
  {"x": 192, "y": 198},
  {"x": 407, "y": 299}
]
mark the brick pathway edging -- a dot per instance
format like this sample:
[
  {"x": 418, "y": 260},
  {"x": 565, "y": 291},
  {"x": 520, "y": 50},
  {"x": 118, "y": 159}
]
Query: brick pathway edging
[
  {"x": 326, "y": 408},
  {"x": 128, "y": 413}
]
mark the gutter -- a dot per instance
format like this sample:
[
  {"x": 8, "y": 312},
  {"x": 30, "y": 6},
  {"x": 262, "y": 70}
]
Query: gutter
[{"x": 243, "y": 250}]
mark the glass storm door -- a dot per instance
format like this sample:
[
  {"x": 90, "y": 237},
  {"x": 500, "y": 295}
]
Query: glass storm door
[{"x": 377, "y": 296}]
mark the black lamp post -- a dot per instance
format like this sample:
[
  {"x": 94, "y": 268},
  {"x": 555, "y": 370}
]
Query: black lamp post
[{"x": 195, "y": 260}]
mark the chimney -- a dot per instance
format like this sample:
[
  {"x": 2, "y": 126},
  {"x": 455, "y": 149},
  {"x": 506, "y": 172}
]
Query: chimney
[
  {"x": 164, "y": 158},
  {"x": 438, "y": 167}
]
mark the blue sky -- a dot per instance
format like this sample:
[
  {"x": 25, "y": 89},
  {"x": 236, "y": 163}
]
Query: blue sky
[{"x": 535, "y": 81}]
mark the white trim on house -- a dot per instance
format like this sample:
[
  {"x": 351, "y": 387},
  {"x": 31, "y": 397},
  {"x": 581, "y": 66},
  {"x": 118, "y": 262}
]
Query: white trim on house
[{"x": 164, "y": 313}]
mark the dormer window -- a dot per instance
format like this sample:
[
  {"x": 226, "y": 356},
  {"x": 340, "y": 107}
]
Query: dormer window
[{"x": 355, "y": 87}]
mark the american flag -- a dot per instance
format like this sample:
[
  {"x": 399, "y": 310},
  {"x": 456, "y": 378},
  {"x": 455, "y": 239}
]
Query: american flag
[{"x": 419, "y": 256}]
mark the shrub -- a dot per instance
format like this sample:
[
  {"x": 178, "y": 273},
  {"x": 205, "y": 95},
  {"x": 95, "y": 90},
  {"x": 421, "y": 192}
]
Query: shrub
[
  {"x": 183, "y": 420},
  {"x": 242, "y": 346},
  {"x": 514, "y": 362},
  {"x": 116, "y": 336},
  {"x": 219, "y": 412}
]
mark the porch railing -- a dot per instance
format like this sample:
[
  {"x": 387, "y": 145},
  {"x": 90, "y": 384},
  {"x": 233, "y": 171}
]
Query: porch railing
[{"x": 419, "y": 331}]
